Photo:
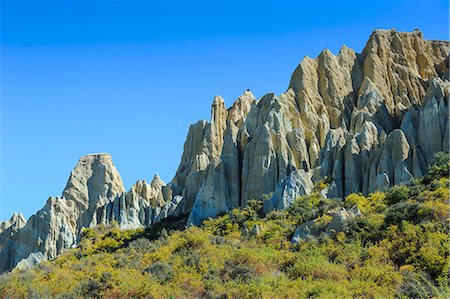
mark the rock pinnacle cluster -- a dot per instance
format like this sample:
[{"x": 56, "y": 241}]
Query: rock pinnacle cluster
[{"x": 365, "y": 121}]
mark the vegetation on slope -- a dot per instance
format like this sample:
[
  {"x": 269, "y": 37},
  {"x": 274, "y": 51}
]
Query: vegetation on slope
[{"x": 397, "y": 248}]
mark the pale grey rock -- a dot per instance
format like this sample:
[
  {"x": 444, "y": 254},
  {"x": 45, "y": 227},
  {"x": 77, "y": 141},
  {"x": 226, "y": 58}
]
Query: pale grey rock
[
  {"x": 220, "y": 190},
  {"x": 8, "y": 246},
  {"x": 32, "y": 260},
  {"x": 330, "y": 191},
  {"x": 352, "y": 158},
  {"x": 170, "y": 209},
  {"x": 16, "y": 222},
  {"x": 392, "y": 162},
  {"x": 259, "y": 158},
  {"x": 218, "y": 125},
  {"x": 310, "y": 229},
  {"x": 143, "y": 205},
  {"x": 382, "y": 182},
  {"x": 232, "y": 148},
  {"x": 256, "y": 231},
  {"x": 433, "y": 119},
  {"x": 238, "y": 112},
  {"x": 245, "y": 233},
  {"x": 332, "y": 155},
  {"x": 305, "y": 231},
  {"x": 339, "y": 218},
  {"x": 268, "y": 156},
  {"x": 93, "y": 181},
  {"x": 50, "y": 231},
  {"x": 55, "y": 228},
  {"x": 409, "y": 127},
  {"x": 194, "y": 163},
  {"x": 298, "y": 183},
  {"x": 212, "y": 196}
]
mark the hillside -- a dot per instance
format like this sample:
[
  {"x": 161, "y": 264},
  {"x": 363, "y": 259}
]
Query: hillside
[
  {"x": 362, "y": 122},
  {"x": 397, "y": 246}
]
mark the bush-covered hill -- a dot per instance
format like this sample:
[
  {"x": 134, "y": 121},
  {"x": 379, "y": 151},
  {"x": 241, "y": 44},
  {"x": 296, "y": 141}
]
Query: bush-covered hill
[{"x": 398, "y": 247}]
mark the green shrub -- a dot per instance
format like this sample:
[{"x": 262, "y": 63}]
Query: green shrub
[
  {"x": 357, "y": 200},
  {"x": 317, "y": 266},
  {"x": 417, "y": 285},
  {"x": 397, "y": 194},
  {"x": 402, "y": 211},
  {"x": 440, "y": 167},
  {"x": 367, "y": 229},
  {"x": 308, "y": 207},
  {"x": 142, "y": 245},
  {"x": 90, "y": 289},
  {"x": 237, "y": 271},
  {"x": 160, "y": 271},
  {"x": 398, "y": 248}
]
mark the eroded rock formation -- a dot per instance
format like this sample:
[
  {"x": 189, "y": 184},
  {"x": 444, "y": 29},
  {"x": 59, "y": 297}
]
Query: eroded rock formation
[
  {"x": 367, "y": 121},
  {"x": 94, "y": 194}
]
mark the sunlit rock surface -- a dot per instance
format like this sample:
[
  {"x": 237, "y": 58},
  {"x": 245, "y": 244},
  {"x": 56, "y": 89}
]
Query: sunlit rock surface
[{"x": 365, "y": 120}]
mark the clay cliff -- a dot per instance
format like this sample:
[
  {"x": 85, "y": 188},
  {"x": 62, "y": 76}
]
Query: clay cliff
[{"x": 365, "y": 120}]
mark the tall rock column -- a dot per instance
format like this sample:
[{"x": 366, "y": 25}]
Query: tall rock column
[
  {"x": 218, "y": 125},
  {"x": 231, "y": 155}
]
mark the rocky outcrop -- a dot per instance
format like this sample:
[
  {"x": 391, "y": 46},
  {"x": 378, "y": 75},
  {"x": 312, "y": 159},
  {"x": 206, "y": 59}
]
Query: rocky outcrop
[
  {"x": 358, "y": 119},
  {"x": 213, "y": 195},
  {"x": 16, "y": 222},
  {"x": 315, "y": 228},
  {"x": 298, "y": 183},
  {"x": 54, "y": 228},
  {"x": 32, "y": 260},
  {"x": 364, "y": 120},
  {"x": 94, "y": 194},
  {"x": 194, "y": 163},
  {"x": 143, "y": 205},
  {"x": 92, "y": 183}
]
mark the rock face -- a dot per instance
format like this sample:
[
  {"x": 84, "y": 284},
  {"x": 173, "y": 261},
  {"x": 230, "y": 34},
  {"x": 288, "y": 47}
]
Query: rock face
[
  {"x": 366, "y": 120},
  {"x": 94, "y": 195},
  {"x": 359, "y": 119},
  {"x": 16, "y": 222},
  {"x": 298, "y": 183},
  {"x": 32, "y": 260}
]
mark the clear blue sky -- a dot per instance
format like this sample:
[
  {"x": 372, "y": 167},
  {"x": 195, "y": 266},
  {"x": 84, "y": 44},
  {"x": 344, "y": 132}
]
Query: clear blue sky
[{"x": 128, "y": 77}]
